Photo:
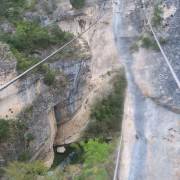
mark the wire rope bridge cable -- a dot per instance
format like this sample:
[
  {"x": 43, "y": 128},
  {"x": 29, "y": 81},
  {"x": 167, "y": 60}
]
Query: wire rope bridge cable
[
  {"x": 116, "y": 170},
  {"x": 55, "y": 52},
  {"x": 175, "y": 77}
]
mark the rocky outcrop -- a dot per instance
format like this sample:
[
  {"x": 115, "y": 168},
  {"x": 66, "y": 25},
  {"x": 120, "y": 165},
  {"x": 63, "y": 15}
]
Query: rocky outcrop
[
  {"x": 151, "y": 129},
  {"x": 37, "y": 105},
  {"x": 83, "y": 77}
]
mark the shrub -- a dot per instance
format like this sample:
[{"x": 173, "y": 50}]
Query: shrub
[
  {"x": 134, "y": 47},
  {"x": 148, "y": 42},
  {"x": 162, "y": 40},
  {"x": 4, "y": 37},
  {"x": 25, "y": 171},
  {"x": 23, "y": 62},
  {"x": 94, "y": 173},
  {"x": 58, "y": 36},
  {"x": 11, "y": 129},
  {"x": 44, "y": 68},
  {"x": 29, "y": 36},
  {"x": 96, "y": 157},
  {"x": 49, "y": 77},
  {"x": 77, "y": 3},
  {"x": 157, "y": 16},
  {"x": 4, "y": 129},
  {"x": 107, "y": 113},
  {"x": 24, "y": 156},
  {"x": 95, "y": 152},
  {"x": 29, "y": 137},
  {"x": 11, "y": 9}
]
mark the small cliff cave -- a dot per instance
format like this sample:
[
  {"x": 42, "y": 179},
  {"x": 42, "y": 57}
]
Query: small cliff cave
[{"x": 57, "y": 113}]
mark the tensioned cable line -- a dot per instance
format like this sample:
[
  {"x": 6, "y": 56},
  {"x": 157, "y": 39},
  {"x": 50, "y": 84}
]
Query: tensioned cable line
[
  {"x": 165, "y": 57},
  {"x": 161, "y": 49},
  {"x": 118, "y": 159},
  {"x": 51, "y": 55}
]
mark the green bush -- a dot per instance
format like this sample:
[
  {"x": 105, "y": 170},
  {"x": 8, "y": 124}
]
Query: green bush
[
  {"x": 146, "y": 42},
  {"x": 95, "y": 152},
  {"x": 10, "y": 129},
  {"x": 49, "y": 77},
  {"x": 134, "y": 47},
  {"x": 162, "y": 40},
  {"x": 157, "y": 16},
  {"x": 29, "y": 36},
  {"x": 94, "y": 173},
  {"x": 23, "y": 62},
  {"x": 29, "y": 137},
  {"x": 96, "y": 157},
  {"x": 149, "y": 42},
  {"x": 11, "y": 9},
  {"x": 58, "y": 36},
  {"x": 25, "y": 171},
  {"x": 4, "y": 129},
  {"x": 107, "y": 113},
  {"x": 77, "y": 3},
  {"x": 24, "y": 156}
]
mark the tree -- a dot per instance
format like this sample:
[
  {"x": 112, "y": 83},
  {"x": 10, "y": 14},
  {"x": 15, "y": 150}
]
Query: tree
[
  {"x": 96, "y": 157},
  {"x": 95, "y": 152}
]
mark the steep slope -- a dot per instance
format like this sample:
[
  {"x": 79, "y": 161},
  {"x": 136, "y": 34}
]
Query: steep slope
[{"x": 151, "y": 127}]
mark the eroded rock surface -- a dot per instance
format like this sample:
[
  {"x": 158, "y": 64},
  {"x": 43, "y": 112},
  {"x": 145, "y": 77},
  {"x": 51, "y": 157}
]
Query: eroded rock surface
[
  {"x": 151, "y": 127},
  {"x": 82, "y": 77},
  {"x": 38, "y": 105}
]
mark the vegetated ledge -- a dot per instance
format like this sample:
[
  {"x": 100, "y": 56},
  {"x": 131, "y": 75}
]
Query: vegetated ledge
[{"x": 107, "y": 112}]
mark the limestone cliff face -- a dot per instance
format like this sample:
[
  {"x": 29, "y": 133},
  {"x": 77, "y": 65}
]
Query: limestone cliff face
[
  {"x": 38, "y": 105},
  {"x": 45, "y": 102},
  {"x": 44, "y": 108},
  {"x": 104, "y": 59},
  {"x": 151, "y": 127}
]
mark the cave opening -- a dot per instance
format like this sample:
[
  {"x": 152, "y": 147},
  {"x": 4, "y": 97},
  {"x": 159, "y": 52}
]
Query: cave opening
[{"x": 57, "y": 112}]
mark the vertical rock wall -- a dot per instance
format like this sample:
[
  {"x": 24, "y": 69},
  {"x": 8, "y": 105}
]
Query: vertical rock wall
[{"x": 151, "y": 126}]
